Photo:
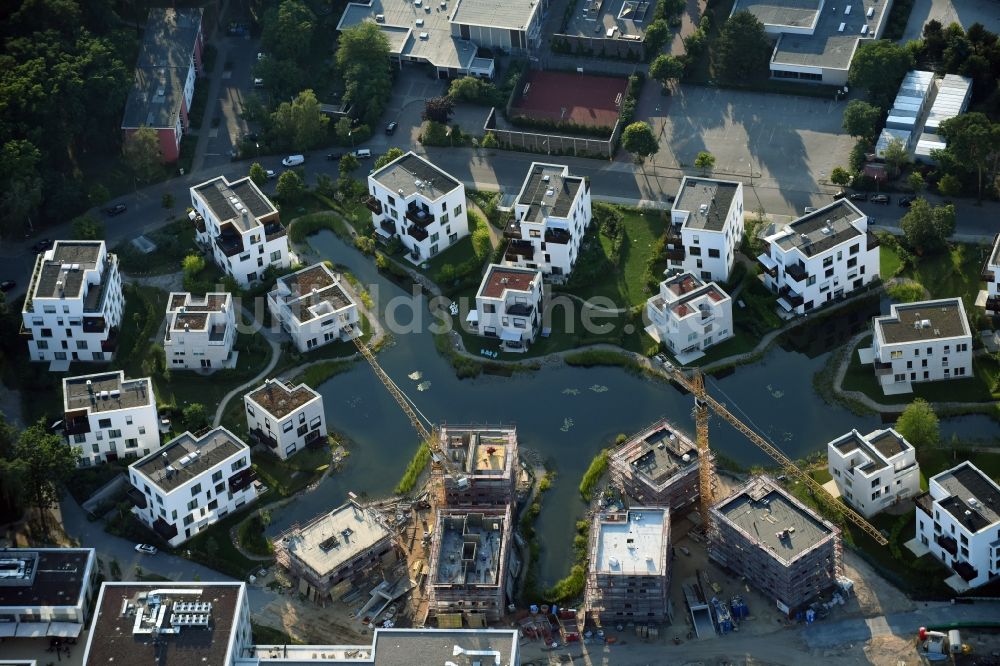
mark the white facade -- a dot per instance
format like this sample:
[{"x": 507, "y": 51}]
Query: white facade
[
  {"x": 191, "y": 483},
  {"x": 201, "y": 331},
  {"x": 74, "y": 304},
  {"x": 991, "y": 275},
  {"x": 107, "y": 417},
  {"x": 957, "y": 521},
  {"x": 241, "y": 228},
  {"x": 551, "y": 215},
  {"x": 313, "y": 307},
  {"x": 46, "y": 590},
  {"x": 285, "y": 418},
  {"x": 823, "y": 256},
  {"x": 509, "y": 306},
  {"x": 418, "y": 203},
  {"x": 873, "y": 471},
  {"x": 920, "y": 342},
  {"x": 689, "y": 316},
  {"x": 709, "y": 216}
]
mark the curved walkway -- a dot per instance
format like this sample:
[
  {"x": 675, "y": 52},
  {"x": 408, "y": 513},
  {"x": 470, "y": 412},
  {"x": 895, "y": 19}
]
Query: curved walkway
[{"x": 275, "y": 355}]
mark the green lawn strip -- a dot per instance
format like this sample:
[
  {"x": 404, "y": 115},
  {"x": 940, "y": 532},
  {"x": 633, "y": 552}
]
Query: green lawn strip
[
  {"x": 421, "y": 457},
  {"x": 889, "y": 261},
  {"x": 952, "y": 273},
  {"x": 287, "y": 477},
  {"x": 173, "y": 242}
]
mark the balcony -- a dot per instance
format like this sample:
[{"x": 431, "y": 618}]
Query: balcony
[
  {"x": 199, "y": 224},
  {"x": 793, "y": 299},
  {"x": 374, "y": 205},
  {"x": 925, "y": 503},
  {"x": 75, "y": 425},
  {"x": 675, "y": 253},
  {"x": 512, "y": 230},
  {"x": 768, "y": 264},
  {"x": 992, "y": 304},
  {"x": 137, "y": 498},
  {"x": 94, "y": 324},
  {"x": 520, "y": 248},
  {"x": 230, "y": 244},
  {"x": 26, "y": 332},
  {"x": 948, "y": 543},
  {"x": 165, "y": 529},
  {"x": 420, "y": 216},
  {"x": 558, "y": 236},
  {"x": 796, "y": 272},
  {"x": 883, "y": 368},
  {"x": 520, "y": 309},
  {"x": 872, "y": 241},
  {"x": 965, "y": 570},
  {"x": 242, "y": 479},
  {"x": 111, "y": 343},
  {"x": 388, "y": 226},
  {"x": 417, "y": 232},
  {"x": 273, "y": 231},
  {"x": 265, "y": 438}
]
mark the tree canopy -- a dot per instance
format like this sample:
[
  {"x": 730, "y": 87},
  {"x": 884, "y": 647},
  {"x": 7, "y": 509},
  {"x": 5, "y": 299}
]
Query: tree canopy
[
  {"x": 438, "y": 109},
  {"x": 363, "y": 59},
  {"x": 927, "y": 227},
  {"x": 290, "y": 187},
  {"x": 705, "y": 161},
  {"x": 258, "y": 174},
  {"x": 287, "y": 30},
  {"x": 862, "y": 120},
  {"x": 879, "y": 67},
  {"x": 48, "y": 463},
  {"x": 638, "y": 139},
  {"x": 300, "y": 125},
  {"x": 666, "y": 68},
  {"x": 973, "y": 147},
  {"x": 141, "y": 153},
  {"x": 390, "y": 155},
  {"x": 742, "y": 49},
  {"x": 919, "y": 424}
]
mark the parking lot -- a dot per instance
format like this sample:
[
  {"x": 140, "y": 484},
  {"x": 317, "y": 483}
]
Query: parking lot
[
  {"x": 963, "y": 12},
  {"x": 787, "y": 142}
]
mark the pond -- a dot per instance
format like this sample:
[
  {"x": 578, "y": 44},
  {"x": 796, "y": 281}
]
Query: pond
[{"x": 567, "y": 414}]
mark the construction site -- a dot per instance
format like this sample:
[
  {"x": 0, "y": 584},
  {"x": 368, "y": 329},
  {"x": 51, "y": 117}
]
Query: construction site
[{"x": 487, "y": 457}]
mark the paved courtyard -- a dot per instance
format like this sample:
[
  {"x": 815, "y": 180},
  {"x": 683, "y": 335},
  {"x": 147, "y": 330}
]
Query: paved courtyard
[{"x": 963, "y": 12}]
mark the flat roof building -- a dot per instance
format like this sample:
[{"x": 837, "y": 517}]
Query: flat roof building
[
  {"x": 487, "y": 458},
  {"x": 657, "y": 466},
  {"x": 45, "y": 591},
  {"x": 873, "y": 471},
  {"x": 509, "y": 306},
  {"x": 628, "y": 579},
  {"x": 707, "y": 227},
  {"x": 313, "y": 307},
  {"x": 469, "y": 560},
  {"x": 331, "y": 551},
  {"x": 781, "y": 546},
  {"x": 285, "y": 418},
  {"x": 200, "y": 331}
]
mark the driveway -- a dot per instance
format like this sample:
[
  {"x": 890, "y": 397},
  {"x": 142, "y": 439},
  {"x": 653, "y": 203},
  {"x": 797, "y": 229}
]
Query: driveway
[{"x": 963, "y": 12}]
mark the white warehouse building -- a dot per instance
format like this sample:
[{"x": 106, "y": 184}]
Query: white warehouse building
[
  {"x": 284, "y": 418},
  {"x": 873, "y": 471},
  {"x": 418, "y": 203},
  {"x": 709, "y": 216},
  {"x": 689, "y": 316},
  {"x": 551, "y": 215},
  {"x": 108, "y": 418}
]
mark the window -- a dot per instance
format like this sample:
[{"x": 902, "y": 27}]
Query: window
[
  {"x": 195, "y": 489},
  {"x": 114, "y": 433},
  {"x": 276, "y": 255},
  {"x": 193, "y": 504},
  {"x": 458, "y": 209},
  {"x": 534, "y": 233},
  {"x": 694, "y": 251},
  {"x": 302, "y": 429},
  {"x": 104, "y": 423},
  {"x": 435, "y": 237},
  {"x": 714, "y": 254},
  {"x": 302, "y": 417},
  {"x": 188, "y": 519},
  {"x": 874, "y": 483},
  {"x": 239, "y": 464},
  {"x": 131, "y": 443},
  {"x": 79, "y": 439},
  {"x": 828, "y": 262},
  {"x": 852, "y": 262},
  {"x": 444, "y": 218},
  {"x": 896, "y": 354},
  {"x": 489, "y": 308},
  {"x": 81, "y": 344},
  {"x": 128, "y": 420},
  {"x": 250, "y": 410},
  {"x": 287, "y": 427},
  {"x": 855, "y": 248},
  {"x": 217, "y": 476}
]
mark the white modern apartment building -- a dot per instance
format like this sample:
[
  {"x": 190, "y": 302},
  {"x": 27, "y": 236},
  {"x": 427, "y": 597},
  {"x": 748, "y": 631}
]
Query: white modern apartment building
[
  {"x": 820, "y": 257},
  {"x": 990, "y": 298},
  {"x": 707, "y": 220},
  {"x": 74, "y": 304},
  {"x": 284, "y": 418},
  {"x": 958, "y": 520},
  {"x": 689, "y": 316},
  {"x": 920, "y": 342},
  {"x": 201, "y": 331},
  {"x": 240, "y": 226},
  {"x": 192, "y": 482},
  {"x": 509, "y": 306},
  {"x": 551, "y": 214},
  {"x": 418, "y": 203},
  {"x": 108, "y": 418},
  {"x": 313, "y": 307},
  {"x": 44, "y": 592},
  {"x": 873, "y": 471}
]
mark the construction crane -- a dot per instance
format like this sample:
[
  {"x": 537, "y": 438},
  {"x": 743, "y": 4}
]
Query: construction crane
[
  {"x": 695, "y": 384},
  {"x": 439, "y": 458}
]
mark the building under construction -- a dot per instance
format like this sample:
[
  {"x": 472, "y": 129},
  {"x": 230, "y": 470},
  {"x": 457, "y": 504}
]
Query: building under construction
[
  {"x": 658, "y": 466},
  {"x": 781, "y": 546},
  {"x": 469, "y": 559},
  {"x": 487, "y": 458},
  {"x": 334, "y": 550},
  {"x": 629, "y": 574}
]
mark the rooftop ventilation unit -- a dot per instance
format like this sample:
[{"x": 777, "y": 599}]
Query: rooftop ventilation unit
[
  {"x": 864, "y": 29},
  {"x": 420, "y": 23},
  {"x": 116, "y": 393},
  {"x": 550, "y": 192},
  {"x": 424, "y": 36},
  {"x": 546, "y": 178},
  {"x": 841, "y": 28},
  {"x": 871, "y": 12},
  {"x": 703, "y": 208},
  {"x": 847, "y": 10}
]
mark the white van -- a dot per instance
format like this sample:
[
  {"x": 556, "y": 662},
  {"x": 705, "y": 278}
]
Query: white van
[
  {"x": 362, "y": 153},
  {"x": 293, "y": 160}
]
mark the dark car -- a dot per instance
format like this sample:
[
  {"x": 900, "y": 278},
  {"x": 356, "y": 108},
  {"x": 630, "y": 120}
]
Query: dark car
[
  {"x": 42, "y": 245},
  {"x": 671, "y": 198},
  {"x": 7, "y": 285},
  {"x": 859, "y": 196},
  {"x": 391, "y": 128},
  {"x": 333, "y": 157},
  {"x": 905, "y": 202},
  {"x": 117, "y": 209},
  {"x": 840, "y": 195},
  {"x": 881, "y": 199}
]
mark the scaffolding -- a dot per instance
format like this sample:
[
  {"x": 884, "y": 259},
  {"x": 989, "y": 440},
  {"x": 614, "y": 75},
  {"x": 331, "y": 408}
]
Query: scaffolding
[
  {"x": 628, "y": 578},
  {"x": 487, "y": 458},
  {"x": 778, "y": 544}
]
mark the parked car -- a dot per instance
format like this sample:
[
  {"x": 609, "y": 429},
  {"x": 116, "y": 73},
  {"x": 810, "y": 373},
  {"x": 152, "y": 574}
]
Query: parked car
[
  {"x": 260, "y": 56},
  {"x": 390, "y": 129},
  {"x": 809, "y": 209},
  {"x": 258, "y": 82},
  {"x": 7, "y": 285},
  {"x": 42, "y": 245},
  {"x": 362, "y": 153},
  {"x": 271, "y": 173},
  {"x": 905, "y": 202},
  {"x": 145, "y": 548},
  {"x": 293, "y": 160},
  {"x": 333, "y": 157},
  {"x": 881, "y": 199},
  {"x": 840, "y": 195},
  {"x": 117, "y": 209},
  {"x": 859, "y": 196}
]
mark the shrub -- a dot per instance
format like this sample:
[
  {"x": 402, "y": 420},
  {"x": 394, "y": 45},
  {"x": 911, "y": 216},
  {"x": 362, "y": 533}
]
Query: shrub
[
  {"x": 413, "y": 470},
  {"x": 906, "y": 292},
  {"x": 593, "y": 474}
]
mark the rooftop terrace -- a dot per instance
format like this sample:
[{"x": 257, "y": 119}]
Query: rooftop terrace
[
  {"x": 412, "y": 174},
  {"x": 186, "y": 457},
  {"x": 64, "y": 268},
  {"x": 280, "y": 399},
  {"x": 548, "y": 191},
  {"x": 707, "y": 202},
  {"x": 502, "y": 278},
  {"x": 632, "y": 543},
  {"x": 240, "y": 202},
  {"x": 823, "y": 229},
  {"x": 974, "y": 497},
  {"x": 312, "y": 292},
  {"x": 923, "y": 321},
  {"x": 106, "y": 392}
]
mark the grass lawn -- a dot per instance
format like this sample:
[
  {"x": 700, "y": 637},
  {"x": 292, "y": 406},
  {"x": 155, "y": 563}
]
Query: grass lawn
[
  {"x": 287, "y": 477},
  {"x": 889, "y": 261},
  {"x": 173, "y": 242},
  {"x": 974, "y": 389},
  {"x": 955, "y": 273}
]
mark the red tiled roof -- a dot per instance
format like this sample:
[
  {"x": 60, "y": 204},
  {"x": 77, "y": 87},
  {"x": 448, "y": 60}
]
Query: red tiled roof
[{"x": 499, "y": 279}]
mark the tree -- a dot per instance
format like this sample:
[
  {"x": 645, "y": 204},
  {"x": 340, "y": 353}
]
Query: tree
[
  {"x": 926, "y": 228},
  {"x": 438, "y": 109},
  {"x": 840, "y": 176},
  {"x": 287, "y": 30},
  {"x": 472, "y": 89},
  {"x": 742, "y": 49},
  {"x": 48, "y": 463},
  {"x": 974, "y": 142},
  {"x": 919, "y": 424},
  {"x": 896, "y": 157},
  {"x": 142, "y": 154},
  {"x": 363, "y": 61},
  {"x": 290, "y": 186},
  {"x": 390, "y": 156},
  {"x": 301, "y": 124},
  {"x": 348, "y": 165},
  {"x": 657, "y": 35},
  {"x": 666, "y": 68},
  {"x": 950, "y": 185},
  {"x": 862, "y": 120},
  {"x": 434, "y": 134},
  {"x": 192, "y": 265},
  {"x": 915, "y": 181},
  {"x": 20, "y": 185},
  {"x": 934, "y": 41},
  {"x": 258, "y": 174},
  {"x": 705, "y": 161},
  {"x": 87, "y": 227},
  {"x": 638, "y": 139},
  {"x": 195, "y": 416},
  {"x": 878, "y": 67},
  {"x": 489, "y": 140}
]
